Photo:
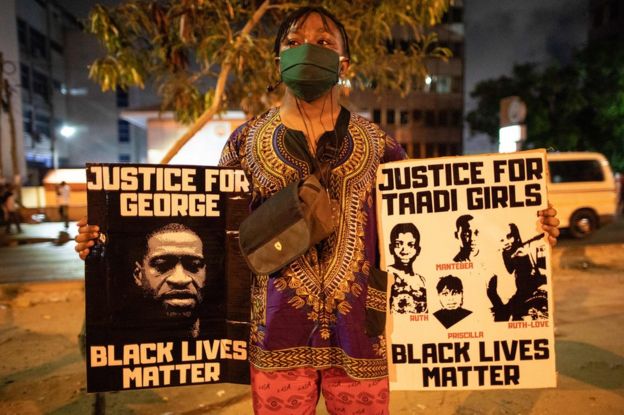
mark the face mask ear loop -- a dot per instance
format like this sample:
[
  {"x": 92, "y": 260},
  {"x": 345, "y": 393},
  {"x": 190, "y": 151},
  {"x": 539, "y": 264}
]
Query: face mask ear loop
[
  {"x": 303, "y": 115},
  {"x": 322, "y": 111},
  {"x": 336, "y": 142},
  {"x": 272, "y": 87}
]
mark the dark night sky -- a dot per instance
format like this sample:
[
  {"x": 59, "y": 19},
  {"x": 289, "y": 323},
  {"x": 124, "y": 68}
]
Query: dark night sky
[{"x": 501, "y": 33}]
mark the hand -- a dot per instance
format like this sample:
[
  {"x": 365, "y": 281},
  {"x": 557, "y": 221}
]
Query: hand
[
  {"x": 85, "y": 238},
  {"x": 522, "y": 251},
  {"x": 492, "y": 292},
  {"x": 549, "y": 221},
  {"x": 492, "y": 284}
]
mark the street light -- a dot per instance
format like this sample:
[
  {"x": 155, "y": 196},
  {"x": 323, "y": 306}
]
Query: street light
[{"x": 67, "y": 131}]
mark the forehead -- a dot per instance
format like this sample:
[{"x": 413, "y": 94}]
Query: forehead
[
  {"x": 174, "y": 242},
  {"x": 314, "y": 23},
  {"x": 406, "y": 236}
]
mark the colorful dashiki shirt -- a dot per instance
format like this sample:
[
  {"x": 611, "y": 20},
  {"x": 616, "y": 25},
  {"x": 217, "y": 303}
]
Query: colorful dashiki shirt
[{"x": 313, "y": 312}]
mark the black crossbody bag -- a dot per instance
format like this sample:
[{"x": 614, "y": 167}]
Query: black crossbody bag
[{"x": 286, "y": 225}]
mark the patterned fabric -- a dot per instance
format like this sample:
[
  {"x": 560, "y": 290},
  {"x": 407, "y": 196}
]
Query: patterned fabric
[
  {"x": 376, "y": 299},
  {"x": 312, "y": 312},
  {"x": 296, "y": 392}
]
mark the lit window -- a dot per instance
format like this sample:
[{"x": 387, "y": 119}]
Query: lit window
[{"x": 443, "y": 84}]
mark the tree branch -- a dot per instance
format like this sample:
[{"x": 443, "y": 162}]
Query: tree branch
[{"x": 220, "y": 87}]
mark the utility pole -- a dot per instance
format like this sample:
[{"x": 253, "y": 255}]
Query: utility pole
[
  {"x": 6, "y": 105},
  {"x": 1, "y": 110},
  {"x": 14, "y": 160}
]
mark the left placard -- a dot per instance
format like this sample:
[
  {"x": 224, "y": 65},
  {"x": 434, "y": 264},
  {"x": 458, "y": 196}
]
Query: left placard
[{"x": 167, "y": 291}]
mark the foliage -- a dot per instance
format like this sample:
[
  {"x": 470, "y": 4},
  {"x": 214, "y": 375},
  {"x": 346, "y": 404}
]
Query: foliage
[
  {"x": 578, "y": 107},
  {"x": 185, "y": 48}
]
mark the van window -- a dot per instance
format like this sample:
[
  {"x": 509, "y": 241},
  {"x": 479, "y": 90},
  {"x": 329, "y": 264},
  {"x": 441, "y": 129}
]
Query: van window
[{"x": 565, "y": 171}]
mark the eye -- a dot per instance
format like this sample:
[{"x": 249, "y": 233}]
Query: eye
[
  {"x": 192, "y": 264},
  {"x": 327, "y": 42},
  {"x": 292, "y": 42},
  {"x": 164, "y": 263}
]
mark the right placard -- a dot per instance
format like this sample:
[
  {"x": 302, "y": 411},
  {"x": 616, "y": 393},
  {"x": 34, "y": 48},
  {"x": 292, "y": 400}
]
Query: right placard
[{"x": 470, "y": 302}]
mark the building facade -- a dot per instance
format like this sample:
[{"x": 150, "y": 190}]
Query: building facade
[
  {"x": 427, "y": 122},
  {"x": 66, "y": 121},
  {"x": 64, "y": 118}
]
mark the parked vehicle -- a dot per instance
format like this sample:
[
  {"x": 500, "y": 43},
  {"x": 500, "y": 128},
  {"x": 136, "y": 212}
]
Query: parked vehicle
[{"x": 583, "y": 190}]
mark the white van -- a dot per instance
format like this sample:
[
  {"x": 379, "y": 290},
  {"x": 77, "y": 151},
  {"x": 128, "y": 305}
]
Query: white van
[{"x": 583, "y": 190}]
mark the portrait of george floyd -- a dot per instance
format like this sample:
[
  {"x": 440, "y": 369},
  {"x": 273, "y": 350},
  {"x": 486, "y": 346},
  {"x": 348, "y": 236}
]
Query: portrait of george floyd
[
  {"x": 171, "y": 279},
  {"x": 167, "y": 292}
]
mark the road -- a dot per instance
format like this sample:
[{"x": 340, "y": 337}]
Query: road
[
  {"x": 612, "y": 233},
  {"x": 42, "y": 261}
]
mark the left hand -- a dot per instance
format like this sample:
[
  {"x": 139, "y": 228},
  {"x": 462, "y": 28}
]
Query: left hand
[{"x": 549, "y": 221}]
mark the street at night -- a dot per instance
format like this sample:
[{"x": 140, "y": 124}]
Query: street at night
[{"x": 290, "y": 207}]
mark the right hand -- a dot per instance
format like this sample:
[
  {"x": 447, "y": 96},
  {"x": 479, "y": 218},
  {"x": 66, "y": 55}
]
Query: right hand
[{"x": 86, "y": 237}]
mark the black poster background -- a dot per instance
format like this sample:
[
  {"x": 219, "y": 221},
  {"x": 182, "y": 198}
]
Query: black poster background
[{"x": 116, "y": 314}]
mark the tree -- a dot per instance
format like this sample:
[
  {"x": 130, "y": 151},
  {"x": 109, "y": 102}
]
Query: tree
[
  {"x": 206, "y": 56},
  {"x": 578, "y": 107}
]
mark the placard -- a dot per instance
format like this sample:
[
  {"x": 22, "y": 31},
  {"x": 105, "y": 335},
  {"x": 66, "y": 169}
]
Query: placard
[
  {"x": 167, "y": 292},
  {"x": 469, "y": 275}
]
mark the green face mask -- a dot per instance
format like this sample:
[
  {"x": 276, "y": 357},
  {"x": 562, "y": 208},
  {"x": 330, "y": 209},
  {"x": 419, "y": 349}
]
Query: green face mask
[{"x": 309, "y": 71}]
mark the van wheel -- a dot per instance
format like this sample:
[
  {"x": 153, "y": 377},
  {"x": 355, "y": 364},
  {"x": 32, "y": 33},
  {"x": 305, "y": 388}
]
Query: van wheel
[{"x": 583, "y": 223}]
